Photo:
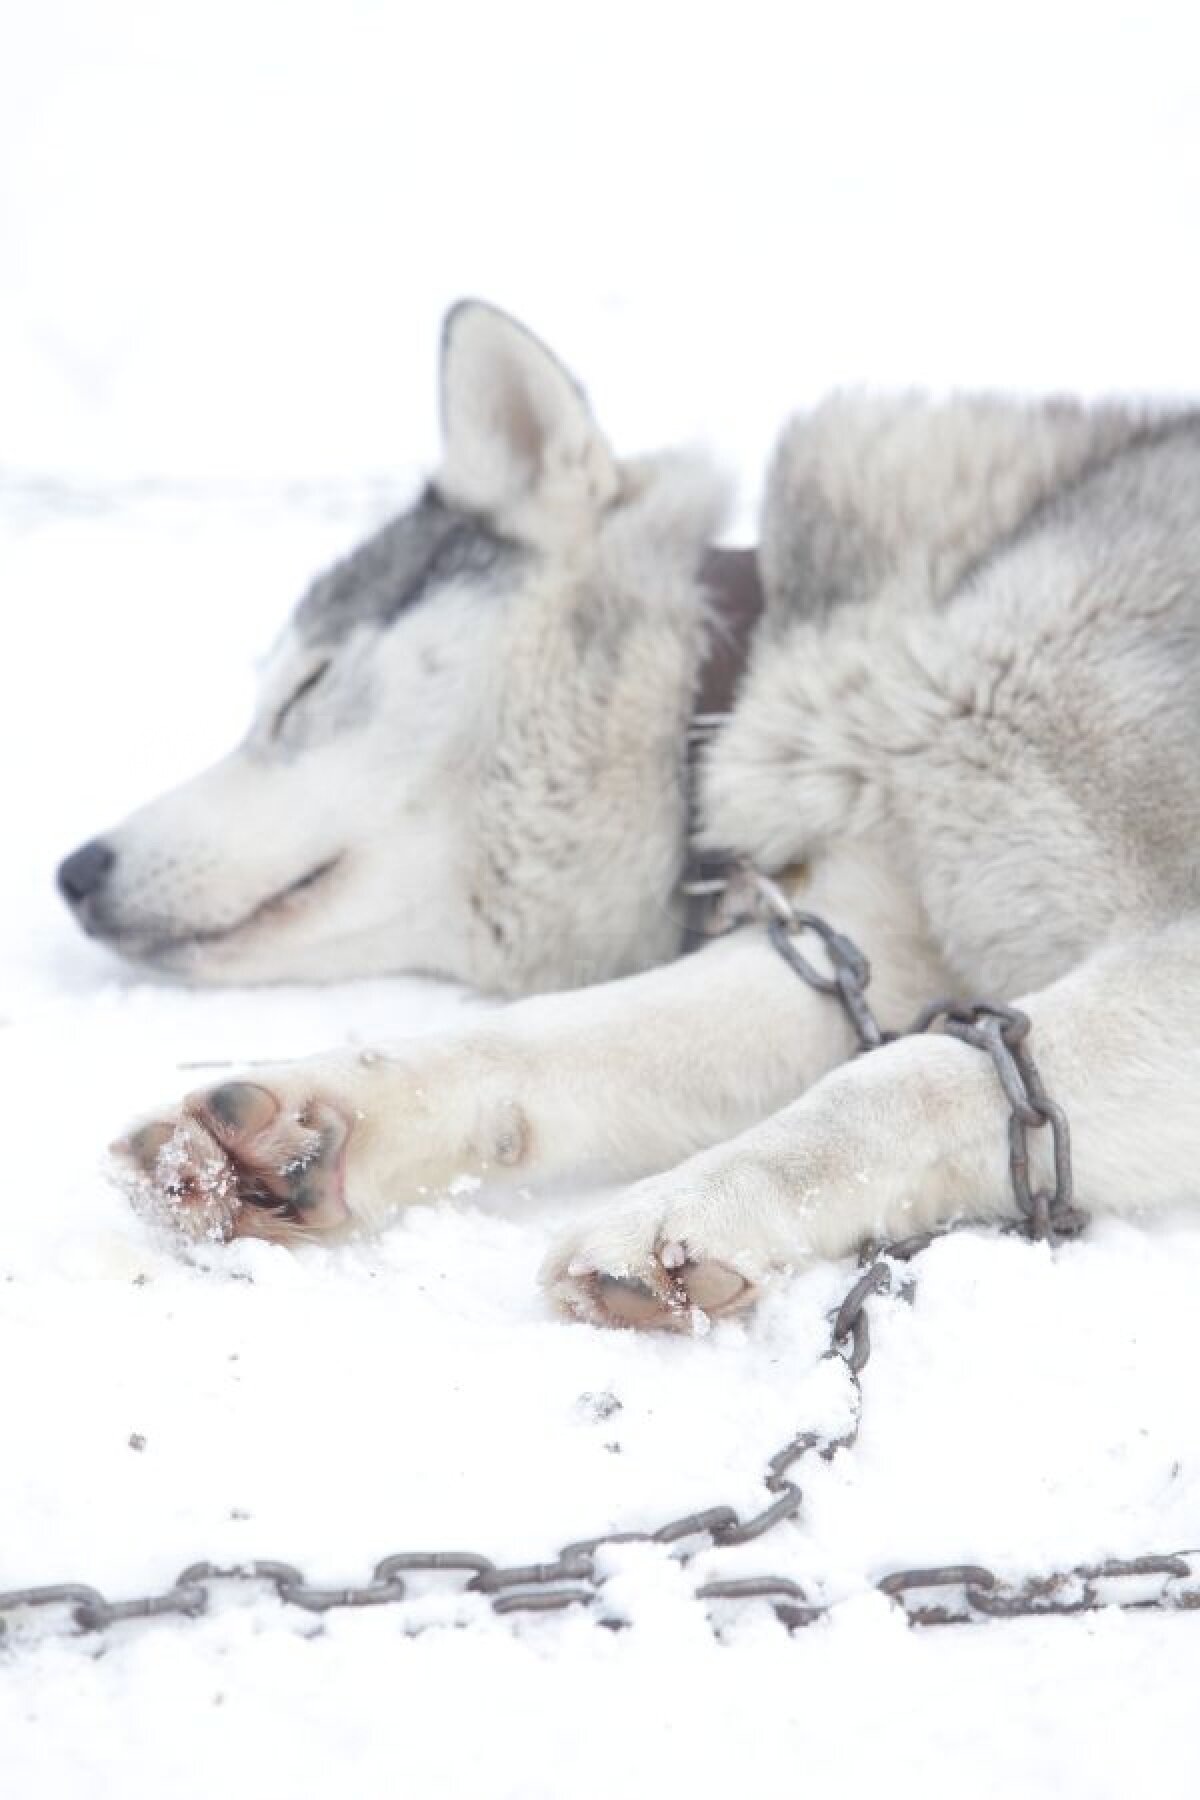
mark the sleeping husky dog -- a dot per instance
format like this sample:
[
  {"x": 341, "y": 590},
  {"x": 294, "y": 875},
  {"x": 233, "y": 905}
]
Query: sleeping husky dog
[{"x": 967, "y": 728}]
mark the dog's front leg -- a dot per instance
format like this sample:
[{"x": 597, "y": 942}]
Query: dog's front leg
[
  {"x": 605, "y": 1083},
  {"x": 908, "y": 1139}
]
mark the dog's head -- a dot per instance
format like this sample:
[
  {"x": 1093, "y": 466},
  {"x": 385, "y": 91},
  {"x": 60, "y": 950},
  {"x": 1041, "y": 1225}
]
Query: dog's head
[{"x": 466, "y": 753}]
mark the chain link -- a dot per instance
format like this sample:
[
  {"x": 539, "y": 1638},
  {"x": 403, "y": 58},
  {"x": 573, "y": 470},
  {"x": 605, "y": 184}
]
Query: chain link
[
  {"x": 571, "y": 1578},
  {"x": 999, "y": 1031},
  {"x": 952, "y": 1593}
]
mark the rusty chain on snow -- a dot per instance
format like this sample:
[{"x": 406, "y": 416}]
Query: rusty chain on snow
[{"x": 952, "y": 1593}]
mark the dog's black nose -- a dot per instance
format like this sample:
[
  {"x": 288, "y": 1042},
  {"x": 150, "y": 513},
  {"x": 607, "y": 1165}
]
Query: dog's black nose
[{"x": 84, "y": 871}]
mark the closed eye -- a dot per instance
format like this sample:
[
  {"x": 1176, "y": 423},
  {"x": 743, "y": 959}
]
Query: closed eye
[{"x": 306, "y": 687}]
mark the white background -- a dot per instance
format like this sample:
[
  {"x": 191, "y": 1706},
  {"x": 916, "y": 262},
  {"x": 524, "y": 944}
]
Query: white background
[{"x": 227, "y": 235}]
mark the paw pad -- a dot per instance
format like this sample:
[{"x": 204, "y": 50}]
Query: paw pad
[
  {"x": 235, "y": 1161},
  {"x": 673, "y": 1292}
]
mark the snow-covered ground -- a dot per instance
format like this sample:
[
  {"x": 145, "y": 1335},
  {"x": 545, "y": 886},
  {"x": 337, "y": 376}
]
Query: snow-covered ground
[{"x": 228, "y": 232}]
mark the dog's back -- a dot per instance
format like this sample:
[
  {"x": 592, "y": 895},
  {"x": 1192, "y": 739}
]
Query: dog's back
[{"x": 984, "y": 653}]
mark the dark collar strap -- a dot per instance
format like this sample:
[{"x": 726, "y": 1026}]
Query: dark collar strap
[
  {"x": 736, "y": 600},
  {"x": 732, "y": 580}
]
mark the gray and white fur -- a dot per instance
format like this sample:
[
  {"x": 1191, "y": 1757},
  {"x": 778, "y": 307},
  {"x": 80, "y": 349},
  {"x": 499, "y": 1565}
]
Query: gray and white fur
[{"x": 969, "y": 729}]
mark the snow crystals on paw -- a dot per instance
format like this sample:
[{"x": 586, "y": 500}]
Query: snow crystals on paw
[{"x": 191, "y": 1190}]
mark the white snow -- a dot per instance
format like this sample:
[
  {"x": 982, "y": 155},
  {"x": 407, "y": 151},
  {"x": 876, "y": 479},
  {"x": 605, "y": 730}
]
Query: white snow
[{"x": 228, "y": 232}]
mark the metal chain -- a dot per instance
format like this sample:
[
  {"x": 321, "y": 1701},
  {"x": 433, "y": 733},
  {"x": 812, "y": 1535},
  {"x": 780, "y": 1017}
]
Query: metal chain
[
  {"x": 1000, "y": 1031},
  {"x": 949, "y": 1594},
  {"x": 952, "y": 1593},
  {"x": 569, "y": 1579}
]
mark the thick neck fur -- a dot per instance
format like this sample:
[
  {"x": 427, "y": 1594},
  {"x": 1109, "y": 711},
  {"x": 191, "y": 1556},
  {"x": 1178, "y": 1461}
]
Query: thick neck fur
[
  {"x": 876, "y": 513},
  {"x": 579, "y": 791}
]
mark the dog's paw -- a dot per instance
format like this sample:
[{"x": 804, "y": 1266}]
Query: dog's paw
[
  {"x": 666, "y": 1258},
  {"x": 261, "y": 1158}
]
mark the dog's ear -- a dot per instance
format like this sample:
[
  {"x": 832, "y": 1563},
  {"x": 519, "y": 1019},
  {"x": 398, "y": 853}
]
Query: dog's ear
[{"x": 520, "y": 442}]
